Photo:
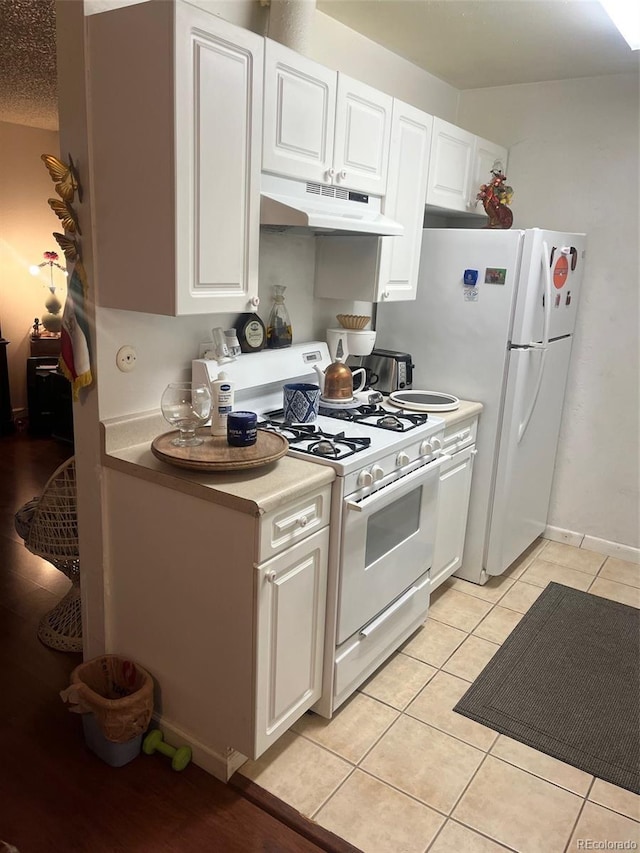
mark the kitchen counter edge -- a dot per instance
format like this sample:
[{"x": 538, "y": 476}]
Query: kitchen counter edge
[
  {"x": 467, "y": 409},
  {"x": 126, "y": 447}
]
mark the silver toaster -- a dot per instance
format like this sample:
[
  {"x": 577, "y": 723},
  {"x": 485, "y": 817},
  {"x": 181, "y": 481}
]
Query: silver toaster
[{"x": 388, "y": 370}]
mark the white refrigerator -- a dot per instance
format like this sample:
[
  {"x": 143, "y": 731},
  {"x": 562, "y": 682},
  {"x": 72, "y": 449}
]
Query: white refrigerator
[{"x": 493, "y": 322}]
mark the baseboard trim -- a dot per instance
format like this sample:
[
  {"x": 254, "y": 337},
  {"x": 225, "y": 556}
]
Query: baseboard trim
[
  {"x": 593, "y": 543},
  {"x": 569, "y": 537},
  {"x": 221, "y": 766},
  {"x": 612, "y": 549}
]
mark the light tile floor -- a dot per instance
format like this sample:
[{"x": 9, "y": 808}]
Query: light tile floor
[{"x": 397, "y": 771}]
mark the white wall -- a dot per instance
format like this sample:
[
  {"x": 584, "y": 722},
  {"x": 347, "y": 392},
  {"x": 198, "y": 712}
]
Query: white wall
[
  {"x": 337, "y": 46},
  {"x": 26, "y": 225},
  {"x": 573, "y": 163}
]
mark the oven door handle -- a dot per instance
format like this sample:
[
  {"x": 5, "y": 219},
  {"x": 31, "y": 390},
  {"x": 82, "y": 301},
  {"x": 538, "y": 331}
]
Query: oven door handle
[
  {"x": 419, "y": 473},
  {"x": 372, "y": 626}
]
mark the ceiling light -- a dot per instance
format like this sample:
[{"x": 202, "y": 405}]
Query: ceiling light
[{"x": 626, "y": 16}]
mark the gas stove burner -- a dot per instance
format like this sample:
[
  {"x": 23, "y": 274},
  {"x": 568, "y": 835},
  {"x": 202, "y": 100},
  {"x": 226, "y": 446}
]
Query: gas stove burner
[
  {"x": 339, "y": 414},
  {"x": 329, "y": 446},
  {"x": 289, "y": 431},
  {"x": 390, "y": 422},
  {"x": 370, "y": 414},
  {"x": 325, "y": 447}
]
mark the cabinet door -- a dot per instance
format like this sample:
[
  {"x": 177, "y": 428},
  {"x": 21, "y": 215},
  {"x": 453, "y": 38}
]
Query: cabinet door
[
  {"x": 176, "y": 167},
  {"x": 450, "y": 166},
  {"x": 453, "y": 507},
  {"x": 299, "y": 115},
  {"x": 291, "y": 596},
  {"x": 362, "y": 135},
  {"x": 486, "y": 156},
  {"x": 218, "y": 112},
  {"x": 404, "y": 202}
]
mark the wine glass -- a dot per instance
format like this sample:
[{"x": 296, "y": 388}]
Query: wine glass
[{"x": 186, "y": 405}]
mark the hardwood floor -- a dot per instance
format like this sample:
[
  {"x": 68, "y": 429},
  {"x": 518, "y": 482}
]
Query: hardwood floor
[{"x": 55, "y": 795}]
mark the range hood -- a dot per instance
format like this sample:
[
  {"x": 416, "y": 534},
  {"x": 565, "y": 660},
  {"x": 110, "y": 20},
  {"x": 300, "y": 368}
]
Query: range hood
[{"x": 286, "y": 202}]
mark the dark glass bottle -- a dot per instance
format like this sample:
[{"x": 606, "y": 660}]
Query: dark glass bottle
[{"x": 279, "y": 333}]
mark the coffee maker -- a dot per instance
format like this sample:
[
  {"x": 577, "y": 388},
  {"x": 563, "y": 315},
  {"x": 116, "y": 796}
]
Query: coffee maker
[{"x": 354, "y": 343}]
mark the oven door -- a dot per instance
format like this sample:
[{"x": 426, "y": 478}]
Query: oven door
[{"x": 387, "y": 542}]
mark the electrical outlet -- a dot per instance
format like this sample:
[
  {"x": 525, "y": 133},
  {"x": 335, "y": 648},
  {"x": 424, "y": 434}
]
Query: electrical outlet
[{"x": 126, "y": 359}]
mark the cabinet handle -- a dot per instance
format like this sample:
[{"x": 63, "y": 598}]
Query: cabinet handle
[
  {"x": 342, "y": 175},
  {"x": 329, "y": 174},
  {"x": 302, "y": 521},
  {"x": 474, "y": 452},
  {"x": 271, "y": 576},
  {"x": 255, "y": 301}
]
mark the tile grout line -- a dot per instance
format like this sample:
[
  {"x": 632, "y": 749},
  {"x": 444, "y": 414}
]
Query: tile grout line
[
  {"x": 313, "y": 814},
  {"x": 579, "y": 815},
  {"x": 458, "y": 822}
]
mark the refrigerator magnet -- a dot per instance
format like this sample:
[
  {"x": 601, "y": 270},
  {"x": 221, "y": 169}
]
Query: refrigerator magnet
[
  {"x": 495, "y": 275},
  {"x": 470, "y": 294}
]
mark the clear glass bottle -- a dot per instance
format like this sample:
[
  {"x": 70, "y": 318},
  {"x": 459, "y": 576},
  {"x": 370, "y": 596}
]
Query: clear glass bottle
[{"x": 279, "y": 332}]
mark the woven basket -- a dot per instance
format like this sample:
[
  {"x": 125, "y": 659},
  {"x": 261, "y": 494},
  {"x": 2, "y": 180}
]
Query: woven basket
[
  {"x": 353, "y": 321},
  {"x": 118, "y": 691}
]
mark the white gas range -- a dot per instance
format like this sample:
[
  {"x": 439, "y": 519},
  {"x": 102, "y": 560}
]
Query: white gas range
[{"x": 383, "y": 508}]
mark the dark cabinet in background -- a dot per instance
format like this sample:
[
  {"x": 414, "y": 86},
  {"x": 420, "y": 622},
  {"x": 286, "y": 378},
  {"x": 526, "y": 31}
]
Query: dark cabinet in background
[{"x": 49, "y": 399}]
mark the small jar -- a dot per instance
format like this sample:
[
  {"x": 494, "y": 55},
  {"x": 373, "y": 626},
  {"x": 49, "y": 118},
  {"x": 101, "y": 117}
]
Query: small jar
[
  {"x": 232, "y": 342},
  {"x": 241, "y": 429}
]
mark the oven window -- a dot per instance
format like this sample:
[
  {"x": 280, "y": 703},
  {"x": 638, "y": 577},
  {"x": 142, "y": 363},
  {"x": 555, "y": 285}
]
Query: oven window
[{"x": 390, "y": 526}]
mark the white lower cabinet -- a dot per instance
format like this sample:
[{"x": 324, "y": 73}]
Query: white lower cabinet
[
  {"x": 225, "y": 608},
  {"x": 290, "y": 611},
  {"x": 453, "y": 501}
]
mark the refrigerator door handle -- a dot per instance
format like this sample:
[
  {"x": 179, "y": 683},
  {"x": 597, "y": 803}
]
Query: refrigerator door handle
[
  {"x": 545, "y": 259},
  {"x": 534, "y": 398}
]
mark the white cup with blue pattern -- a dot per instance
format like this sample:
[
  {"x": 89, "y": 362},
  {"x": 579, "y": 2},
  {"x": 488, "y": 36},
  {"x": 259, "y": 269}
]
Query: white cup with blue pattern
[{"x": 301, "y": 401}]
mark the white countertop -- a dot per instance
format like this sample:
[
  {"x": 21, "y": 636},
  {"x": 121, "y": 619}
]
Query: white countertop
[
  {"x": 127, "y": 448},
  {"x": 466, "y": 409}
]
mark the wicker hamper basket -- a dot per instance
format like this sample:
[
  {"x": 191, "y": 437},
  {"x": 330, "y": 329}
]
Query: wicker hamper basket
[{"x": 117, "y": 691}]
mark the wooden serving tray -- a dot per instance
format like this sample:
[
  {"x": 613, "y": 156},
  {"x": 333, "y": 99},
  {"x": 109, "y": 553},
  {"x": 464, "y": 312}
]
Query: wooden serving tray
[{"x": 216, "y": 455}]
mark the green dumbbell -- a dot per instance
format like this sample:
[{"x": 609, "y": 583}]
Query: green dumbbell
[{"x": 154, "y": 742}]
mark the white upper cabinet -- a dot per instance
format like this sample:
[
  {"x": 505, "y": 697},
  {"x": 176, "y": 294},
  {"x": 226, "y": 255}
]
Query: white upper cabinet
[
  {"x": 486, "y": 156},
  {"x": 177, "y": 133},
  {"x": 404, "y": 202},
  {"x": 384, "y": 269},
  {"x": 450, "y": 166},
  {"x": 460, "y": 162},
  {"x": 299, "y": 115},
  {"x": 322, "y": 126},
  {"x": 363, "y": 132}
]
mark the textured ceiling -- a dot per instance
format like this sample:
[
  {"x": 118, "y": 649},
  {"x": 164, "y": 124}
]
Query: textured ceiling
[{"x": 28, "y": 89}]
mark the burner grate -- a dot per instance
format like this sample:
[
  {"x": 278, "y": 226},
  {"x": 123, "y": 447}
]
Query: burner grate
[
  {"x": 309, "y": 438},
  {"x": 375, "y": 416}
]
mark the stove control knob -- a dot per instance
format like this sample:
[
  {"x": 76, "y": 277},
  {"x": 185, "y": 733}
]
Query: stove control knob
[
  {"x": 377, "y": 473},
  {"x": 436, "y": 444},
  {"x": 402, "y": 459},
  {"x": 426, "y": 449},
  {"x": 365, "y": 478}
]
